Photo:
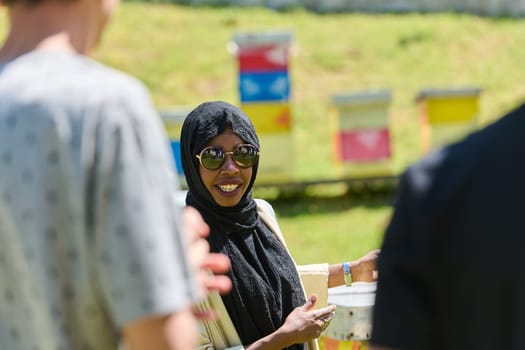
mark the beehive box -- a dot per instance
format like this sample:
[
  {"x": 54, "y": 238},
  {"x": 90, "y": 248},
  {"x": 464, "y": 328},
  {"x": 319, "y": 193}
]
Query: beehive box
[
  {"x": 447, "y": 115},
  {"x": 361, "y": 142},
  {"x": 173, "y": 118}
]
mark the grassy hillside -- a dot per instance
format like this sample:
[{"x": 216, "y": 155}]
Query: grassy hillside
[{"x": 181, "y": 55}]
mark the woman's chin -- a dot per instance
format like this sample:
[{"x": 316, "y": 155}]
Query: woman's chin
[{"x": 227, "y": 199}]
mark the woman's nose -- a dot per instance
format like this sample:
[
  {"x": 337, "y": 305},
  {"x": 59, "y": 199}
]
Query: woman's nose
[{"x": 229, "y": 164}]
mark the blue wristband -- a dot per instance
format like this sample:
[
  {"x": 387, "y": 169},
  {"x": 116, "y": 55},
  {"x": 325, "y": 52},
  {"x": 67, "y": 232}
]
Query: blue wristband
[{"x": 346, "y": 273}]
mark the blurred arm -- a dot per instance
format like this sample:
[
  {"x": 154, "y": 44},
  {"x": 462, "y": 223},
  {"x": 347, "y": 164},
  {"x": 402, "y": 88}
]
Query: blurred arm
[{"x": 175, "y": 331}]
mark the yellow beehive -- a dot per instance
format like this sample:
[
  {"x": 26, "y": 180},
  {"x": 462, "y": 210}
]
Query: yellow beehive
[{"x": 447, "y": 115}]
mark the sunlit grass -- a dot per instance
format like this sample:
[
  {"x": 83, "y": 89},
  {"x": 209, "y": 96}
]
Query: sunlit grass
[{"x": 332, "y": 230}]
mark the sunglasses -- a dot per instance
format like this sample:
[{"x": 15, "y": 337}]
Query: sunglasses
[{"x": 213, "y": 157}]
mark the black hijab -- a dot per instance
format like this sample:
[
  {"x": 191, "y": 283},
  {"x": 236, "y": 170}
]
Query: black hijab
[{"x": 266, "y": 287}]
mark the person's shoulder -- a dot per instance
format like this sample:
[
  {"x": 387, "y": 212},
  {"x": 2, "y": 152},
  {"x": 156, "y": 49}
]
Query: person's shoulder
[
  {"x": 119, "y": 94},
  {"x": 264, "y": 207},
  {"x": 262, "y": 203},
  {"x": 110, "y": 81},
  {"x": 502, "y": 132},
  {"x": 50, "y": 75},
  {"x": 103, "y": 80}
]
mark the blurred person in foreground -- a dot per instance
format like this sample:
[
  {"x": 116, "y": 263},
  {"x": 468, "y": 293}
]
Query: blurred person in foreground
[
  {"x": 274, "y": 303},
  {"x": 92, "y": 254},
  {"x": 452, "y": 268}
]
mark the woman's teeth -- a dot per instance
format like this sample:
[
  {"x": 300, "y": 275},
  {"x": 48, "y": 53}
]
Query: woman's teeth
[{"x": 228, "y": 188}]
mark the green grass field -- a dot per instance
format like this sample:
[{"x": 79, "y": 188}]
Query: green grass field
[{"x": 181, "y": 55}]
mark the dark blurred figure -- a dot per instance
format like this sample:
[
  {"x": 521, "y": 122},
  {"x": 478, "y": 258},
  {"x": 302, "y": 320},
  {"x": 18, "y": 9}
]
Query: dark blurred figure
[
  {"x": 91, "y": 249},
  {"x": 452, "y": 269}
]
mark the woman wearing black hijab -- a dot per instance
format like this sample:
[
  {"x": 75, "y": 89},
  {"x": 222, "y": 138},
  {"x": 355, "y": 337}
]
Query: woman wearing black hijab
[{"x": 267, "y": 305}]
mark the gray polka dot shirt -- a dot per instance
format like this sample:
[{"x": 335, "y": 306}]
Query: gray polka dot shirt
[{"x": 89, "y": 236}]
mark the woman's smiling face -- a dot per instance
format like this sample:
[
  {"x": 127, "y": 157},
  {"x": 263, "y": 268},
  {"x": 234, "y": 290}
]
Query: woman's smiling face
[{"x": 227, "y": 184}]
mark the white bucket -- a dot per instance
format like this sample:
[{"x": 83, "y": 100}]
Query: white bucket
[{"x": 352, "y": 324}]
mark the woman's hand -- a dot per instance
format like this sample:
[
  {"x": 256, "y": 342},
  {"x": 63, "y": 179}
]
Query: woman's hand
[
  {"x": 365, "y": 268},
  {"x": 304, "y": 323}
]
